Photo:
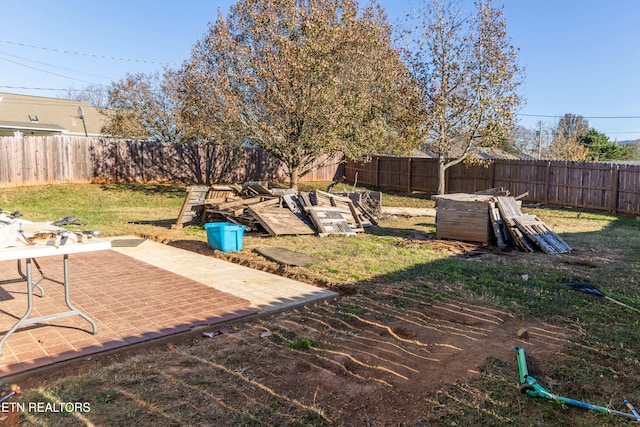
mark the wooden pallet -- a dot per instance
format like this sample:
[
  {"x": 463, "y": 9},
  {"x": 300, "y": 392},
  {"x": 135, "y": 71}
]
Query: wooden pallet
[
  {"x": 295, "y": 205},
  {"x": 329, "y": 220},
  {"x": 193, "y": 206},
  {"x": 348, "y": 210}
]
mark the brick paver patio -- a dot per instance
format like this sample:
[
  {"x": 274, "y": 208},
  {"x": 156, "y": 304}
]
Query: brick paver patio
[{"x": 130, "y": 300}]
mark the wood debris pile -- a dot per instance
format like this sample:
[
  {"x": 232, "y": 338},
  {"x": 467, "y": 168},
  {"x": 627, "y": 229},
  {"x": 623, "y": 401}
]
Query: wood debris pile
[
  {"x": 280, "y": 212},
  {"x": 494, "y": 217}
]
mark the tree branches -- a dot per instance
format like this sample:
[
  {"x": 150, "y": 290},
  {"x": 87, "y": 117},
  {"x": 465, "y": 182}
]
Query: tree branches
[
  {"x": 468, "y": 75},
  {"x": 302, "y": 79}
]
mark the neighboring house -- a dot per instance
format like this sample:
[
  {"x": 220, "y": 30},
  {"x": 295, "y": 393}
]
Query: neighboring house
[
  {"x": 480, "y": 153},
  {"x": 38, "y": 115}
]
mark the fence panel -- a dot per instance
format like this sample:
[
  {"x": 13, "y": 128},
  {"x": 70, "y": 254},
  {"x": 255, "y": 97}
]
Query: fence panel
[
  {"x": 628, "y": 189},
  {"x": 394, "y": 172},
  {"x": 462, "y": 178},
  {"x": 580, "y": 184},
  {"x": 521, "y": 176},
  {"x": 364, "y": 173},
  {"x": 588, "y": 185},
  {"x": 43, "y": 160},
  {"x": 424, "y": 175},
  {"x": 54, "y": 159},
  {"x": 8, "y": 160}
]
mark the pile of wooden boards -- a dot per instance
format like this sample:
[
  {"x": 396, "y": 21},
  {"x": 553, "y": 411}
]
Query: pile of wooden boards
[
  {"x": 280, "y": 212},
  {"x": 494, "y": 219},
  {"x": 528, "y": 232}
]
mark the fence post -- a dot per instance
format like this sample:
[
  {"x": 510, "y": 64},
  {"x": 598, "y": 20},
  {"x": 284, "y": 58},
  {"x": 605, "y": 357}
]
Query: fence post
[
  {"x": 547, "y": 174},
  {"x": 409, "y": 175},
  {"x": 378, "y": 171},
  {"x": 492, "y": 174},
  {"x": 615, "y": 172}
]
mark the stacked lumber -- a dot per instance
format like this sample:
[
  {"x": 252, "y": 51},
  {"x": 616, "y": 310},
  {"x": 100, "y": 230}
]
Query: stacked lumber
[
  {"x": 279, "y": 212},
  {"x": 529, "y": 232},
  {"x": 494, "y": 219}
]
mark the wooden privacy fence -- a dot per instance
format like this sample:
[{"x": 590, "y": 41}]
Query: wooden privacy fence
[
  {"x": 59, "y": 159},
  {"x": 590, "y": 185}
]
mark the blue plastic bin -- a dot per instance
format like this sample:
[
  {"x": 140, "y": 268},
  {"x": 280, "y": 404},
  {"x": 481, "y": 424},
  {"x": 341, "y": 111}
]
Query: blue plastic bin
[{"x": 224, "y": 236}]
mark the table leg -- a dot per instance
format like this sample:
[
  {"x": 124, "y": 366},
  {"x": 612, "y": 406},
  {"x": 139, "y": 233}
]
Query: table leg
[
  {"x": 26, "y": 315},
  {"x": 42, "y": 277},
  {"x": 25, "y": 320},
  {"x": 67, "y": 297}
]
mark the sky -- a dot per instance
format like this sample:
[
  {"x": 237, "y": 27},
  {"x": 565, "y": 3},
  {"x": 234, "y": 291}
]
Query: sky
[{"x": 580, "y": 57}]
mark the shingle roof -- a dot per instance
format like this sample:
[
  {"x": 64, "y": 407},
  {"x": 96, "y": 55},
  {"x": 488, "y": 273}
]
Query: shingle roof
[
  {"x": 30, "y": 126},
  {"x": 41, "y": 114},
  {"x": 485, "y": 153}
]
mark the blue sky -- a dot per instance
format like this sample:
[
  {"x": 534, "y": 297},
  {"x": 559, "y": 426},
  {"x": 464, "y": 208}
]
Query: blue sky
[{"x": 581, "y": 57}]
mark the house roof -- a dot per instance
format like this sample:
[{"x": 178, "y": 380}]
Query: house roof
[
  {"x": 484, "y": 153},
  {"x": 39, "y": 115},
  {"x": 8, "y": 125}
]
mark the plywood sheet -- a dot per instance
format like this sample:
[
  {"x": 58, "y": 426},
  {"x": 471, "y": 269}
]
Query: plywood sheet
[
  {"x": 286, "y": 256},
  {"x": 279, "y": 221}
]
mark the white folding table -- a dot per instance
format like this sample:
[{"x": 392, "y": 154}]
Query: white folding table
[{"x": 29, "y": 253}]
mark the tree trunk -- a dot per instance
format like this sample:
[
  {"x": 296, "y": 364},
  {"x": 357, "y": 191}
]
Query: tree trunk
[
  {"x": 442, "y": 168},
  {"x": 294, "y": 178}
]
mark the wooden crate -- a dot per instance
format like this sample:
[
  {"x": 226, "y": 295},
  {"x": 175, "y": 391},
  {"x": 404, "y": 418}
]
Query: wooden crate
[{"x": 464, "y": 217}]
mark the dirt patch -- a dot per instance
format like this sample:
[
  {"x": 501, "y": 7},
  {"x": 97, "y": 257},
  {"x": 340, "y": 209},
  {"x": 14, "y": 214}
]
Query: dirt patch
[
  {"x": 379, "y": 355},
  {"x": 352, "y": 362},
  {"x": 382, "y": 366}
]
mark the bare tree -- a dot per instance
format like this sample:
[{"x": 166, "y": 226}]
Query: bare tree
[
  {"x": 468, "y": 75},
  {"x": 525, "y": 142},
  {"x": 302, "y": 80},
  {"x": 144, "y": 106},
  {"x": 94, "y": 95}
]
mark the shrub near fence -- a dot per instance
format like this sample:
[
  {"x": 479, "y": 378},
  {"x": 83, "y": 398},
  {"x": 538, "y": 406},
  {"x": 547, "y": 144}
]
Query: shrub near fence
[
  {"x": 59, "y": 159},
  {"x": 589, "y": 185}
]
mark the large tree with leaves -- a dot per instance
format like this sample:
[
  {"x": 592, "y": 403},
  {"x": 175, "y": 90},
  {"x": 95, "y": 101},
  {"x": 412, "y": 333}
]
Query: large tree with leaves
[
  {"x": 602, "y": 149},
  {"x": 468, "y": 75},
  {"x": 303, "y": 80},
  {"x": 147, "y": 107},
  {"x": 143, "y": 106}
]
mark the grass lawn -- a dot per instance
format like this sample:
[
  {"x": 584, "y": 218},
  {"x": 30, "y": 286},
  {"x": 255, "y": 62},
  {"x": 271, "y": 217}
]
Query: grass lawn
[{"x": 396, "y": 267}]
